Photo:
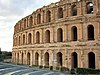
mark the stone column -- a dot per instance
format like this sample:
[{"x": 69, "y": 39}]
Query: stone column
[
  {"x": 80, "y": 32},
  {"x": 84, "y": 7},
  {"x": 79, "y": 8},
  {"x": 69, "y": 9},
  {"x": 50, "y": 58},
  {"x": 64, "y": 33},
  {"x": 69, "y": 33},
  {"x": 31, "y": 58},
  {"x": 41, "y": 34},
  {"x": 65, "y": 11},
  {"x": 97, "y": 60},
  {"x": 25, "y": 57},
  {"x": 54, "y": 58},
  {"x": 42, "y": 58},
  {"x": 51, "y": 35},
  {"x": 55, "y": 34},
  {"x": 69, "y": 60},
  {"x": 26, "y": 38},
  {"x": 95, "y": 6}
]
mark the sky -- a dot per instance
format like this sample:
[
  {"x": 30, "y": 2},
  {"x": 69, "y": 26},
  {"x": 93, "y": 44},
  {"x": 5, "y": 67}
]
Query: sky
[{"x": 11, "y": 11}]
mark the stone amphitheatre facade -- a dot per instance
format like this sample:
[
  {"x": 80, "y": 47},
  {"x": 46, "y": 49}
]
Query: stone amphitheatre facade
[{"x": 65, "y": 33}]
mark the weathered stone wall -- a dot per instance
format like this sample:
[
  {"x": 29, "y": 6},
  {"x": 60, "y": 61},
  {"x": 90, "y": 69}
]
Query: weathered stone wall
[{"x": 50, "y": 40}]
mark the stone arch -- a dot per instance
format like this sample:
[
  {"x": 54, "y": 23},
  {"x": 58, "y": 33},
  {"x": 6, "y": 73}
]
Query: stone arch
[
  {"x": 46, "y": 59},
  {"x": 38, "y": 18},
  {"x": 23, "y": 39},
  {"x": 37, "y": 37},
  {"x": 16, "y": 41},
  {"x": 59, "y": 59},
  {"x": 28, "y": 58},
  {"x": 60, "y": 12},
  {"x": 36, "y": 58},
  {"x": 47, "y": 36},
  {"x": 74, "y": 10},
  {"x": 30, "y": 21},
  {"x": 90, "y": 30},
  {"x": 19, "y": 40},
  {"x": 74, "y": 33},
  {"x": 91, "y": 60},
  {"x": 17, "y": 58},
  {"x": 29, "y": 38},
  {"x": 89, "y": 7},
  {"x": 48, "y": 16},
  {"x": 59, "y": 35},
  {"x": 24, "y": 23},
  {"x": 74, "y": 60}
]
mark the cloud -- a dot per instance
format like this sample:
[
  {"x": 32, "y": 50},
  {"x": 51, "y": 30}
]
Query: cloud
[{"x": 10, "y": 12}]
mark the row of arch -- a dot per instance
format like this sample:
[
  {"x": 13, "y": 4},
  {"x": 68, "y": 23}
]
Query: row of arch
[
  {"x": 59, "y": 59},
  {"x": 60, "y": 14},
  {"x": 74, "y": 35}
]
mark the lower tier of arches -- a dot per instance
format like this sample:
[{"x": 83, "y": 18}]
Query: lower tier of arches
[{"x": 70, "y": 58}]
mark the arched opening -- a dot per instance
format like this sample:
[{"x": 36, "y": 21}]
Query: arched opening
[
  {"x": 60, "y": 12},
  {"x": 25, "y": 23},
  {"x": 74, "y": 10},
  {"x": 36, "y": 58},
  {"x": 16, "y": 41},
  {"x": 29, "y": 38},
  {"x": 48, "y": 16},
  {"x": 74, "y": 33},
  {"x": 59, "y": 59},
  {"x": 37, "y": 37},
  {"x": 47, "y": 36},
  {"x": 91, "y": 60},
  {"x": 17, "y": 58},
  {"x": 90, "y": 32},
  {"x": 89, "y": 7},
  {"x": 74, "y": 60},
  {"x": 38, "y": 18},
  {"x": 28, "y": 58},
  {"x": 31, "y": 21},
  {"x": 22, "y": 57},
  {"x": 23, "y": 39},
  {"x": 59, "y": 35},
  {"x": 19, "y": 41},
  {"x": 46, "y": 59}
]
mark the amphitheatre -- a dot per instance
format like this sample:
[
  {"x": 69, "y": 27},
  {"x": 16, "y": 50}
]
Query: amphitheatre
[{"x": 65, "y": 33}]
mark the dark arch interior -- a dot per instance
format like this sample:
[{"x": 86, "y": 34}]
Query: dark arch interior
[
  {"x": 59, "y": 35},
  {"x": 60, "y": 13},
  {"x": 74, "y": 33},
  {"x": 28, "y": 58},
  {"x": 47, "y": 36},
  {"x": 23, "y": 39},
  {"x": 74, "y": 60},
  {"x": 48, "y": 16},
  {"x": 89, "y": 8},
  {"x": 47, "y": 59},
  {"x": 74, "y": 10},
  {"x": 36, "y": 58},
  {"x": 59, "y": 59},
  {"x": 90, "y": 32},
  {"x": 37, "y": 37},
  {"x": 91, "y": 59},
  {"x": 29, "y": 38},
  {"x": 38, "y": 18}
]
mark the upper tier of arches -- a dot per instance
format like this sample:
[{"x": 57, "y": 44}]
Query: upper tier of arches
[{"x": 56, "y": 11}]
